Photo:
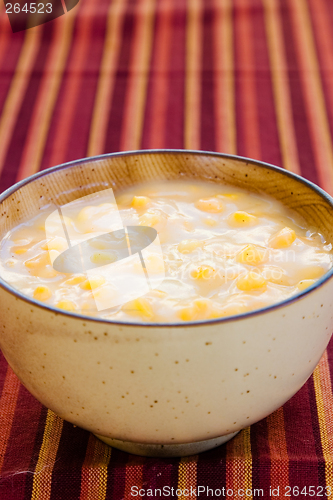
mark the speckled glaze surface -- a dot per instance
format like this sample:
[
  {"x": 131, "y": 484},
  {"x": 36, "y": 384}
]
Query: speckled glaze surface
[{"x": 165, "y": 384}]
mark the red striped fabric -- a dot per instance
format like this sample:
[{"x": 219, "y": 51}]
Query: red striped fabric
[{"x": 250, "y": 77}]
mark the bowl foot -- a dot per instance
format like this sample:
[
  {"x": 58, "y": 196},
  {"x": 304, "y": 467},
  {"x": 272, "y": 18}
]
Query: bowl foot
[{"x": 166, "y": 450}]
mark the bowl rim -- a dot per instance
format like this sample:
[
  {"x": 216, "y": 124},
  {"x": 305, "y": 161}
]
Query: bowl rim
[{"x": 184, "y": 324}]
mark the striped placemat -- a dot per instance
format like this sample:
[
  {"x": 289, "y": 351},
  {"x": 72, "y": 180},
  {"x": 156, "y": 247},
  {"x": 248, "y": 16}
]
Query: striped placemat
[{"x": 249, "y": 77}]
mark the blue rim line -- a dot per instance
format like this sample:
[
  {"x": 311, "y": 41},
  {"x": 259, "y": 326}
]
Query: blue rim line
[{"x": 8, "y": 192}]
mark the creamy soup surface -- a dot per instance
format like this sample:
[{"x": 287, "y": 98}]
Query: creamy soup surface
[{"x": 226, "y": 251}]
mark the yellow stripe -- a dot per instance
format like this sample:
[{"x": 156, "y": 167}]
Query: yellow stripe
[
  {"x": 224, "y": 78},
  {"x": 8, "y": 401},
  {"x": 314, "y": 95},
  {"x": 139, "y": 68},
  {"x": 47, "y": 96},
  {"x": 281, "y": 91},
  {"x": 106, "y": 81},
  {"x": 239, "y": 463},
  {"x": 41, "y": 489},
  {"x": 95, "y": 473},
  {"x": 187, "y": 477},
  {"x": 323, "y": 389},
  {"x": 193, "y": 75},
  {"x": 103, "y": 470},
  {"x": 17, "y": 89},
  {"x": 247, "y": 461}
]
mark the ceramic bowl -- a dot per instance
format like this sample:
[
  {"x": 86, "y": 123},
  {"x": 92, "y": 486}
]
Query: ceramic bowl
[{"x": 165, "y": 389}]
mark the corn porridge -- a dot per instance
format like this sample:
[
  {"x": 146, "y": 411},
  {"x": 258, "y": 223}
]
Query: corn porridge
[{"x": 226, "y": 251}]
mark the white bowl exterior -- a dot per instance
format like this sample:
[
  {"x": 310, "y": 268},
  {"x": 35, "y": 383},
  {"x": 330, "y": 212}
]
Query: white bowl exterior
[{"x": 166, "y": 384}]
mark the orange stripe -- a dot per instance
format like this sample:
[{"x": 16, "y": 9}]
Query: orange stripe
[
  {"x": 17, "y": 89},
  {"x": 160, "y": 69},
  {"x": 75, "y": 65},
  {"x": 94, "y": 471},
  {"x": 134, "y": 472},
  {"x": 321, "y": 20},
  {"x": 278, "y": 451},
  {"x": 281, "y": 90},
  {"x": 239, "y": 464},
  {"x": 322, "y": 26},
  {"x": 42, "y": 482},
  {"x": 313, "y": 92},
  {"x": 324, "y": 399},
  {"x": 46, "y": 99},
  {"x": 193, "y": 75},
  {"x": 247, "y": 93},
  {"x": 106, "y": 81},
  {"x": 137, "y": 82},
  {"x": 8, "y": 402},
  {"x": 224, "y": 89},
  {"x": 187, "y": 477}
]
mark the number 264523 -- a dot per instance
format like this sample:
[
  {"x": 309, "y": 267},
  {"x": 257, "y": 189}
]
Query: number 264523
[{"x": 32, "y": 8}]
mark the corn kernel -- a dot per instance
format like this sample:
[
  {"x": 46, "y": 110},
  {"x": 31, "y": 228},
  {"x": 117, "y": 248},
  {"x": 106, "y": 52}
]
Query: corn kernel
[
  {"x": 141, "y": 307},
  {"x": 98, "y": 243},
  {"x": 57, "y": 243},
  {"x": 312, "y": 272},
  {"x": 230, "y": 196},
  {"x": 53, "y": 255},
  {"x": 21, "y": 242},
  {"x": 124, "y": 200},
  {"x": 106, "y": 206},
  {"x": 203, "y": 272},
  {"x": 283, "y": 238},
  {"x": 150, "y": 219},
  {"x": 158, "y": 293},
  {"x": 241, "y": 218},
  {"x": 154, "y": 264},
  {"x": 187, "y": 314},
  {"x": 230, "y": 310},
  {"x": 105, "y": 293},
  {"x": 103, "y": 258},
  {"x": 42, "y": 293},
  {"x": 19, "y": 251},
  {"x": 188, "y": 225},
  {"x": 302, "y": 285},
  {"x": 188, "y": 246},
  {"x": 201, "y": 309},
  {"x": 41, "y": 260},
  {"x": 140, "y": 202},
  {"x": 252, "y": 255},
  {"x": 67, "y": 221},
  {"x": 66, "y": 305},
  {"x": 89, "y": 307},
  {"x": 45, "y": 272},
  {"x": 75, "y": 280},
  {"x": 85, "y": 214},
  {"x": 251, "y": 281},
  {"x": 92, "y": 283},
  {"x": 210, "y": 222},
  {"x": 276, "y": 275},
  {"x": 213, "y": 205}
]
